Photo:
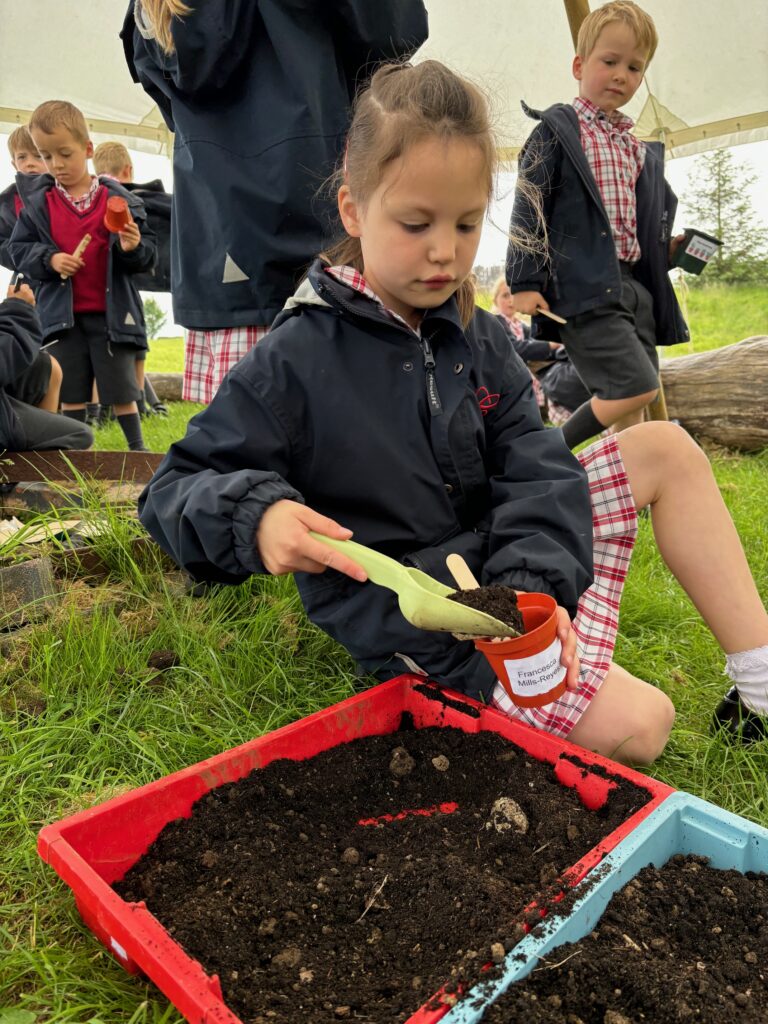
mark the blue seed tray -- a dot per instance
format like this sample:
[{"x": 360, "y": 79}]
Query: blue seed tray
[{"x": 682, "y": 824}]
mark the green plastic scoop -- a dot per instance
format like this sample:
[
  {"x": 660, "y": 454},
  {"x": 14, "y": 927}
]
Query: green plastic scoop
[{"x": 423, "y": 601}]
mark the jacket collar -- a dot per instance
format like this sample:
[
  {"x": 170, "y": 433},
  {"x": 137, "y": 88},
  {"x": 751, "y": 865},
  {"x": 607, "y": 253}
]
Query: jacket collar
[{"x": 344, "y": 299}]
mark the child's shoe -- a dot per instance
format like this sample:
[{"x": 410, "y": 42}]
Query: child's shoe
[
  {"x": 92, "y": 413},
  {"x": 737, "y": 722}
]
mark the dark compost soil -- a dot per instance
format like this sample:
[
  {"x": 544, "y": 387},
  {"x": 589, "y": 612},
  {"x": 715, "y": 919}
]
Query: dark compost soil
[
  {"x": 314, "y": 899},
  {"x": 497, "y": 600},
  {"x": 684, "y": 943}
]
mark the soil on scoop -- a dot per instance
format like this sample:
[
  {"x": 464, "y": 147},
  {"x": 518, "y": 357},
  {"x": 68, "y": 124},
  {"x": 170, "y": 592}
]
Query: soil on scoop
[
  {"x": 497, "y": 600},
  {"x": 317, "y": 894},
  {"x": 678, "y": 944}
]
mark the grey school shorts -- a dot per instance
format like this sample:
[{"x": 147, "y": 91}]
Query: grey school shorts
[
  {"x": 84, "y": 353},
  {"x": 613, "y": 347}
]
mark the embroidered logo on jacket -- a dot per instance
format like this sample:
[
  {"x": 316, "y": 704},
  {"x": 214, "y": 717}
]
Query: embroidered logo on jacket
[{"x": 486, "y": 400}]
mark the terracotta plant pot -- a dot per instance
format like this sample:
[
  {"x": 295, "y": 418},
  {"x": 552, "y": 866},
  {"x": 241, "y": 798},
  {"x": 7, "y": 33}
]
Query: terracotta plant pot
[
  {"x": 528, "y": 666},
  {"x": 118, "y": 217}
]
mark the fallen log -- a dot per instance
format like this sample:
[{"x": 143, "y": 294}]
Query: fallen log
[
  {"x": 167, "y": 385},
  {"x": 721, "y": 395}
]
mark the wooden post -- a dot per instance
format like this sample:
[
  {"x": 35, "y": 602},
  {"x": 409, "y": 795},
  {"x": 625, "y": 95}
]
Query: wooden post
[
  {"x": 577, "y": 10},
  {"x": 657, "y": 409}
]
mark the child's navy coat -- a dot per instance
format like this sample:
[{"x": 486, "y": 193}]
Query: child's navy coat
[
  {"x": 258, "y": 94},
  {"x": 31, "y": 248},
  {"x": 581, "y": 269},
  {"x": 20, "y": 340},
  {"x": 331, "y": 409}
]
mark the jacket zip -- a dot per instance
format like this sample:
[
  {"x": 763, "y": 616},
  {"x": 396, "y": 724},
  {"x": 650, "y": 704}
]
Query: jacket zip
[{"x": 433, "y": 395}]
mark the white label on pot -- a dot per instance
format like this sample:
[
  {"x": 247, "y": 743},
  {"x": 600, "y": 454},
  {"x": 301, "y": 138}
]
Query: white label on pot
[
  {"x": 538, "y": 673},
  {"x": 701, "y": 248},
  {"x": 118, "y": 948}
]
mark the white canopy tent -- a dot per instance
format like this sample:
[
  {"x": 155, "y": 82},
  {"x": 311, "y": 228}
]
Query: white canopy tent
[{"x": 707, "y": 86}]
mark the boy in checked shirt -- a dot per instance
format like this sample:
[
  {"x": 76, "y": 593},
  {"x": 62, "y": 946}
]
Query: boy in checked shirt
[{"x": 606, "y": 249}]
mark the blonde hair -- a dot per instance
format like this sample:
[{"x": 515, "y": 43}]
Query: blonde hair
[
  {"x": 55, "y": 114},
  {"x": 498, "y": 284},
  {"x": 110, "y": 158},
  {"x": 20, "y": 139},
  {"x": 159, "y": 15},
  {"x": 628, "y": 14},
  {"x": 402, "y": 105}
]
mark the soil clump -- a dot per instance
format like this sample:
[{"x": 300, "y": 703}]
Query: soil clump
[
  {"x": 497, "y": 600},
  {"x": 353, "y": 884}
]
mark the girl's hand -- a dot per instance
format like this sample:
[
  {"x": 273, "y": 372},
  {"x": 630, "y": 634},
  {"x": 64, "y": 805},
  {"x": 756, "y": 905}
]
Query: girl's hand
[
  {"x": 529, "y": 302},
  {"x": 65, "y": 264},
  {"x": 569, "y": 658},
  {"x": 129, "y": 237},
  {"x": 285, "y": 546}
]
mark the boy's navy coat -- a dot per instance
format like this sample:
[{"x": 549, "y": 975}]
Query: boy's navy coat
[
  {"x": 258, "y": 94},
  {"x": 157, "y": 203},
  {"x": 7, "y": 223},
  {"x": 31, "y": 248},
  {"x": 20, "y": 339},
  {"x": 581, "y": 268},
  {"x": 331, "y": 409}
]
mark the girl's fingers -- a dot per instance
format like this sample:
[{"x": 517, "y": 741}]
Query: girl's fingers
[
  {"x": 323, "y": 524},
  {"x": 313, "y": 556},
  {"x": 569, "y": 657},
  {"x": 324, "y": 557}
]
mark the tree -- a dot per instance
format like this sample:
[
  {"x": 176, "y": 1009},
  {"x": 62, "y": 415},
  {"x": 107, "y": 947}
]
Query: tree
[
  {"x": 154, "y": 318},
  {"x": 718, "y": 202}
]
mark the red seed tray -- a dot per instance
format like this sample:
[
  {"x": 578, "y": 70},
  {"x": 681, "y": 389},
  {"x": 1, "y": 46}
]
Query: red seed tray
[{"x": 94, "y": 848}]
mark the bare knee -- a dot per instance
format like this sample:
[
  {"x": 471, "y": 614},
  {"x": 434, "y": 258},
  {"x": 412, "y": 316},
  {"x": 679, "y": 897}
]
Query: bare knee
[
  {"x": 57, "y": 375},
  {"x": 650, "y": 737},
  {"x": 657, "y": 453}
]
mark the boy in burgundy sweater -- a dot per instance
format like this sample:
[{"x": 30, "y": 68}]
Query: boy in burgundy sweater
[{"x": 88, "y": 304}]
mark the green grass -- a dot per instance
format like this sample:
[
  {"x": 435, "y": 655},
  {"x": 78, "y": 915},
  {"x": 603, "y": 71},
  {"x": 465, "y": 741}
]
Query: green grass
[
  {"x": 159, "y": 431},
  {"x": 83, "y": 717},
  {"x": 720, "y": 315},
  {"x": 166, "y": 355}
]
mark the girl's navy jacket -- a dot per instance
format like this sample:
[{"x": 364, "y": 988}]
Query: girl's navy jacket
[
  {"x": 580, "y": 270},
  {"x": 333, "y": 409},
  {"x": 258, "y": 95},
  {"x": 20, "y": 339},
  {"x": 31, "y": 248}
]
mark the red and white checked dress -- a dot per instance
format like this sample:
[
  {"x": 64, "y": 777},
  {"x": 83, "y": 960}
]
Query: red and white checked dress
[
  {"x": 210, "y": 355},
  {"x": 596, "y": 623}
]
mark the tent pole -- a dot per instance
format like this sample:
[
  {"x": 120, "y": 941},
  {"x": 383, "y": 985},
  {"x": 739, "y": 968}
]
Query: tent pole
[{"x": 577, "y": 10}]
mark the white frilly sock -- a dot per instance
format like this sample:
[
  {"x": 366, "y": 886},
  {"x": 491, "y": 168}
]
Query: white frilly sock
[{"x": 749, "y": 671}]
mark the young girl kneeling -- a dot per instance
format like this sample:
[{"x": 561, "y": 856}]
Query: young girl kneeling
[{"x": 384, "y": 404}]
